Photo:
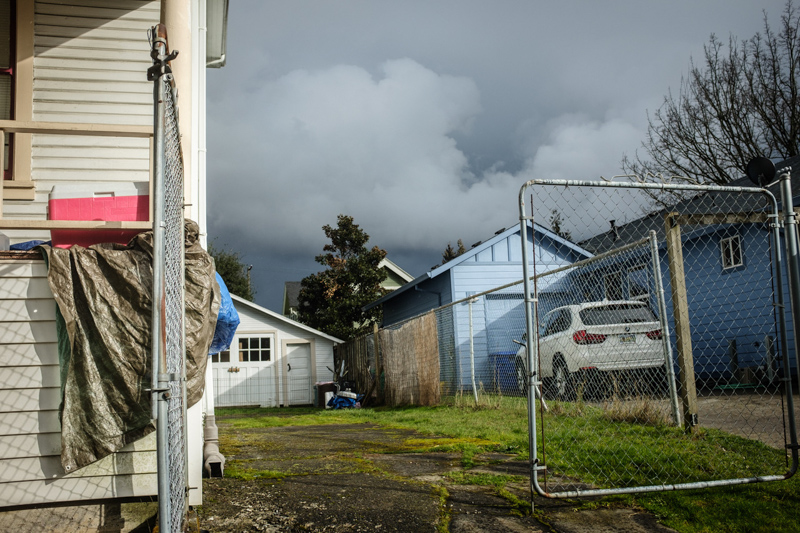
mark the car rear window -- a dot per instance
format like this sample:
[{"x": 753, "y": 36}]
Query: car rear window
[{"x": 616, "y": 314}]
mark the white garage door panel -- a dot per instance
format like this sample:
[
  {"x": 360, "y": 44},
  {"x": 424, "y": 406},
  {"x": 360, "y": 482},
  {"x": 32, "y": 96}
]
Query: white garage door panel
[{"x": 299, "y": 373}]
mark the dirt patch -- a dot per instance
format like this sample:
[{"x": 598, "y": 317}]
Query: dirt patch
[
  {"x": 361, "y": 477},
  {"x": 753, "y": 414}
]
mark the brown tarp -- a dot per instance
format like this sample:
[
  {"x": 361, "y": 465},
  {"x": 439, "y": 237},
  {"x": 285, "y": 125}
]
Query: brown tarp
[{"x": 104, "y": 298}]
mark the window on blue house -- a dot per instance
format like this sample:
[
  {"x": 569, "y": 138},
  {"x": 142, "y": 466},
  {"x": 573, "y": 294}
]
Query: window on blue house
[
  {"x": 731, "y": 250},
  {"x": 614, "y": 286},
  {"x": 639, "y": 283}
]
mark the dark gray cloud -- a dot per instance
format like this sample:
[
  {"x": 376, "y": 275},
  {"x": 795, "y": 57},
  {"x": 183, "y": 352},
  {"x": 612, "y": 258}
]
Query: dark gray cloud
[{"x": 422, "y": 119}]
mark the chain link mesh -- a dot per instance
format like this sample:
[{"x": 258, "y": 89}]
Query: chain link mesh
[
  {"x": 173, "y": 304},
  {"x": 627, "y": 391},
  {"x": 606, "y": 339}
]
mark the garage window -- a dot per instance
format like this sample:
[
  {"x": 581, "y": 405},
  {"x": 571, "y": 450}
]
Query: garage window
[
  {"x": 255, "y": 349},
  {"x": 222, "y": 357}
]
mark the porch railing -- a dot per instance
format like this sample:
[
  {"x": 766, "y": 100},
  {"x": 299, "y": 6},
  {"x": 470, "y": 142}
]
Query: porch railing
[{"x": 68, "y": 128}]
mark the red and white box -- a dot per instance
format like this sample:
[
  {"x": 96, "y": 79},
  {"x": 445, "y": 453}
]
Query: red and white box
[{"x": 97, "y": 201}]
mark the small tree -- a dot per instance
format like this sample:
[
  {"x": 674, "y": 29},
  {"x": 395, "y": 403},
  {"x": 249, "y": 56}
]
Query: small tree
[
  {"x": 331, "y": 300},
  {"x": 233, "y": 272},
  {"x": 450, "y": 253},
  {"x": 556, "y": 225}
]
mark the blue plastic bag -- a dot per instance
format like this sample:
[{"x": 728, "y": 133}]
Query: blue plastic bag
[
  {"x": 341, "y": 402},
  {"x": 227, "y": 321}
]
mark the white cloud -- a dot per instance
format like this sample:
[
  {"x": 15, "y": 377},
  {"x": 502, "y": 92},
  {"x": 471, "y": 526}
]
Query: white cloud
[
  {"x": 340, "y": 141},
  {"x": 380, "y": 148}
]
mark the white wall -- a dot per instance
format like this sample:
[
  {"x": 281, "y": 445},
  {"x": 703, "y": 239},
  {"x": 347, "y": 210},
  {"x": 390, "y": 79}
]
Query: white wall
[
  {"x": 274, "y": 373},
  {"x": 30, "y": 438}
]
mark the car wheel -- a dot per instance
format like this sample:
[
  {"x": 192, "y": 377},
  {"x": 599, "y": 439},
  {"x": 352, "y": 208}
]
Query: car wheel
[
  {"x": 522, "y": 379},
  {"x": 563, "y": 385},
  {"x": 657, "y": 384}
]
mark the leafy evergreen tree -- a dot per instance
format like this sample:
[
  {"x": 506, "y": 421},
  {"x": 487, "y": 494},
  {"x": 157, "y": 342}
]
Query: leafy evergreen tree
[
  {"x": 450, "y": 253},
  {"x": 233, "y": 272},
  {"x": 331, "y": 300}
]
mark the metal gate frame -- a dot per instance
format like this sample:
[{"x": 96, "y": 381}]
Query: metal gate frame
[{"x": 789, "y": 223}]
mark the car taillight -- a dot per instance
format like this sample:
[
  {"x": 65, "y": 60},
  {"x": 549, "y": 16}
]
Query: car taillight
[
  {"x": 654, "y": 335},
  {"x": 582, "y": 337}
]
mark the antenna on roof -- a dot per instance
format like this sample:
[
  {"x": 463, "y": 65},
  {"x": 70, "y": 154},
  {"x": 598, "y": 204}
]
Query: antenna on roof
[{"x": 761, "y": 171}]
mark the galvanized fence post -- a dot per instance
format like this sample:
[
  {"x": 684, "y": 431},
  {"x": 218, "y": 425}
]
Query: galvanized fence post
[
  {"x": 662, "y": 312},
  {"x": 472, "y": 353},
  {"x": 160, "y": 382},
  {"x": 168, "y": 344}
]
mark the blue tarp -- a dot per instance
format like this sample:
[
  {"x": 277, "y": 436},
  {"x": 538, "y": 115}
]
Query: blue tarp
[
  {"x": 27, "y": 245},
  {"x": 227, "y": 321},
  {"x": 341, "y": 402}
]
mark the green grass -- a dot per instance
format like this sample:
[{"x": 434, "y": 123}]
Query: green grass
[{"x": 585, "y": 443}]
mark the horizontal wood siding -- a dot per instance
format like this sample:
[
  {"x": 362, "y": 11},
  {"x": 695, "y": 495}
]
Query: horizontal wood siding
[
  {"x": 90, "y": 64},
  {"x": 30, "y": 393}
]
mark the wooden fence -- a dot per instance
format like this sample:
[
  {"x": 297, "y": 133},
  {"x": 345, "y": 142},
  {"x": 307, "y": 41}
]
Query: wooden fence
[{"x": 395, "y": 366}]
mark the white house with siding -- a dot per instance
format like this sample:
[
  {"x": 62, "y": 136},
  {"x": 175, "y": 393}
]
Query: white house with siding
[
  {"x": 273, "y": 360},
  {"x": 76, "y": 108}
]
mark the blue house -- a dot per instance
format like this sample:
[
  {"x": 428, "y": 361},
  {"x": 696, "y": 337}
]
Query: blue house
[
  {"x": 730, "y": 282},
  {"x": 497, "y": 318}
]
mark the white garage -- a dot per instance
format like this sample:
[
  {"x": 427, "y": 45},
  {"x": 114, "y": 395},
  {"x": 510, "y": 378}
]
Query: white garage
[{"x": 273, "y": 360}]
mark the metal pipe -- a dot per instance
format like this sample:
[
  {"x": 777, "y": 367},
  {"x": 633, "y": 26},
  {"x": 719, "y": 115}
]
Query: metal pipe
[
  {"x": 531, "y": 344},
  {"x": 663, "y": 488},
  {"x": 790, "y": 225},
  {"x": 472, "y": 355},
  {"x": 160, "y": 380},
  {"x": 669, "y": 364}
]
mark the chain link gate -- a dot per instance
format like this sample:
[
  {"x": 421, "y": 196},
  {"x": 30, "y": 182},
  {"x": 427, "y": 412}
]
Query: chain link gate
[
  {"x": 674, "y": 329},
  {"x": 168, "y": 344}
]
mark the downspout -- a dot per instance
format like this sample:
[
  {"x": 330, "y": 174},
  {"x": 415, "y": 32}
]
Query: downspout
[
  {"x": 437, "y": 293},
  {"x": 213, "y": 460}
]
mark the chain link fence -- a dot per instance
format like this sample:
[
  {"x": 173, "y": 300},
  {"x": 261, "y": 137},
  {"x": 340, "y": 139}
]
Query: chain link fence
[
  {"x": 168, "y": 297},
  {"x": 672, "y": 327},
  {"x": 675, "y": 328}
]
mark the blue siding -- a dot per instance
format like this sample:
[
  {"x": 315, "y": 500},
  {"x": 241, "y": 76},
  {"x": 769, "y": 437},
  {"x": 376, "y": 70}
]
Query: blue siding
[
  {"x": 725, "y": 306},
  {"x": 414, "y": 302},
  {"x": 496, "y": 319}
]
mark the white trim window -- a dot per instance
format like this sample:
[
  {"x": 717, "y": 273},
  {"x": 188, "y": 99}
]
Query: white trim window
[
  {"x": 731, "y": 252},
  {"x": 255, "y": 348},
  {"x": 222, "y": 357}
]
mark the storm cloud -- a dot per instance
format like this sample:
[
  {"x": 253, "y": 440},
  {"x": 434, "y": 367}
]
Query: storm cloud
[{"x": 423, "y": 119}]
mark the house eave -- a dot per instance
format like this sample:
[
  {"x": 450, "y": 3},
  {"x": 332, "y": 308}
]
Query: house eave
[{"x": 278, "y": 316}]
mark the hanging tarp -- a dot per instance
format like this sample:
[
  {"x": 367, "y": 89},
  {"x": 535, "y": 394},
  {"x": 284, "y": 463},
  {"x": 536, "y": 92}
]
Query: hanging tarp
[
  {"x": 104, "y": 299},
  {"x": 227, "y": 320}
]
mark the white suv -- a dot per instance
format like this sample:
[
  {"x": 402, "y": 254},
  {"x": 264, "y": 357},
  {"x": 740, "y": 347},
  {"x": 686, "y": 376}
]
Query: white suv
[{"x": 584, "y": 343}]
